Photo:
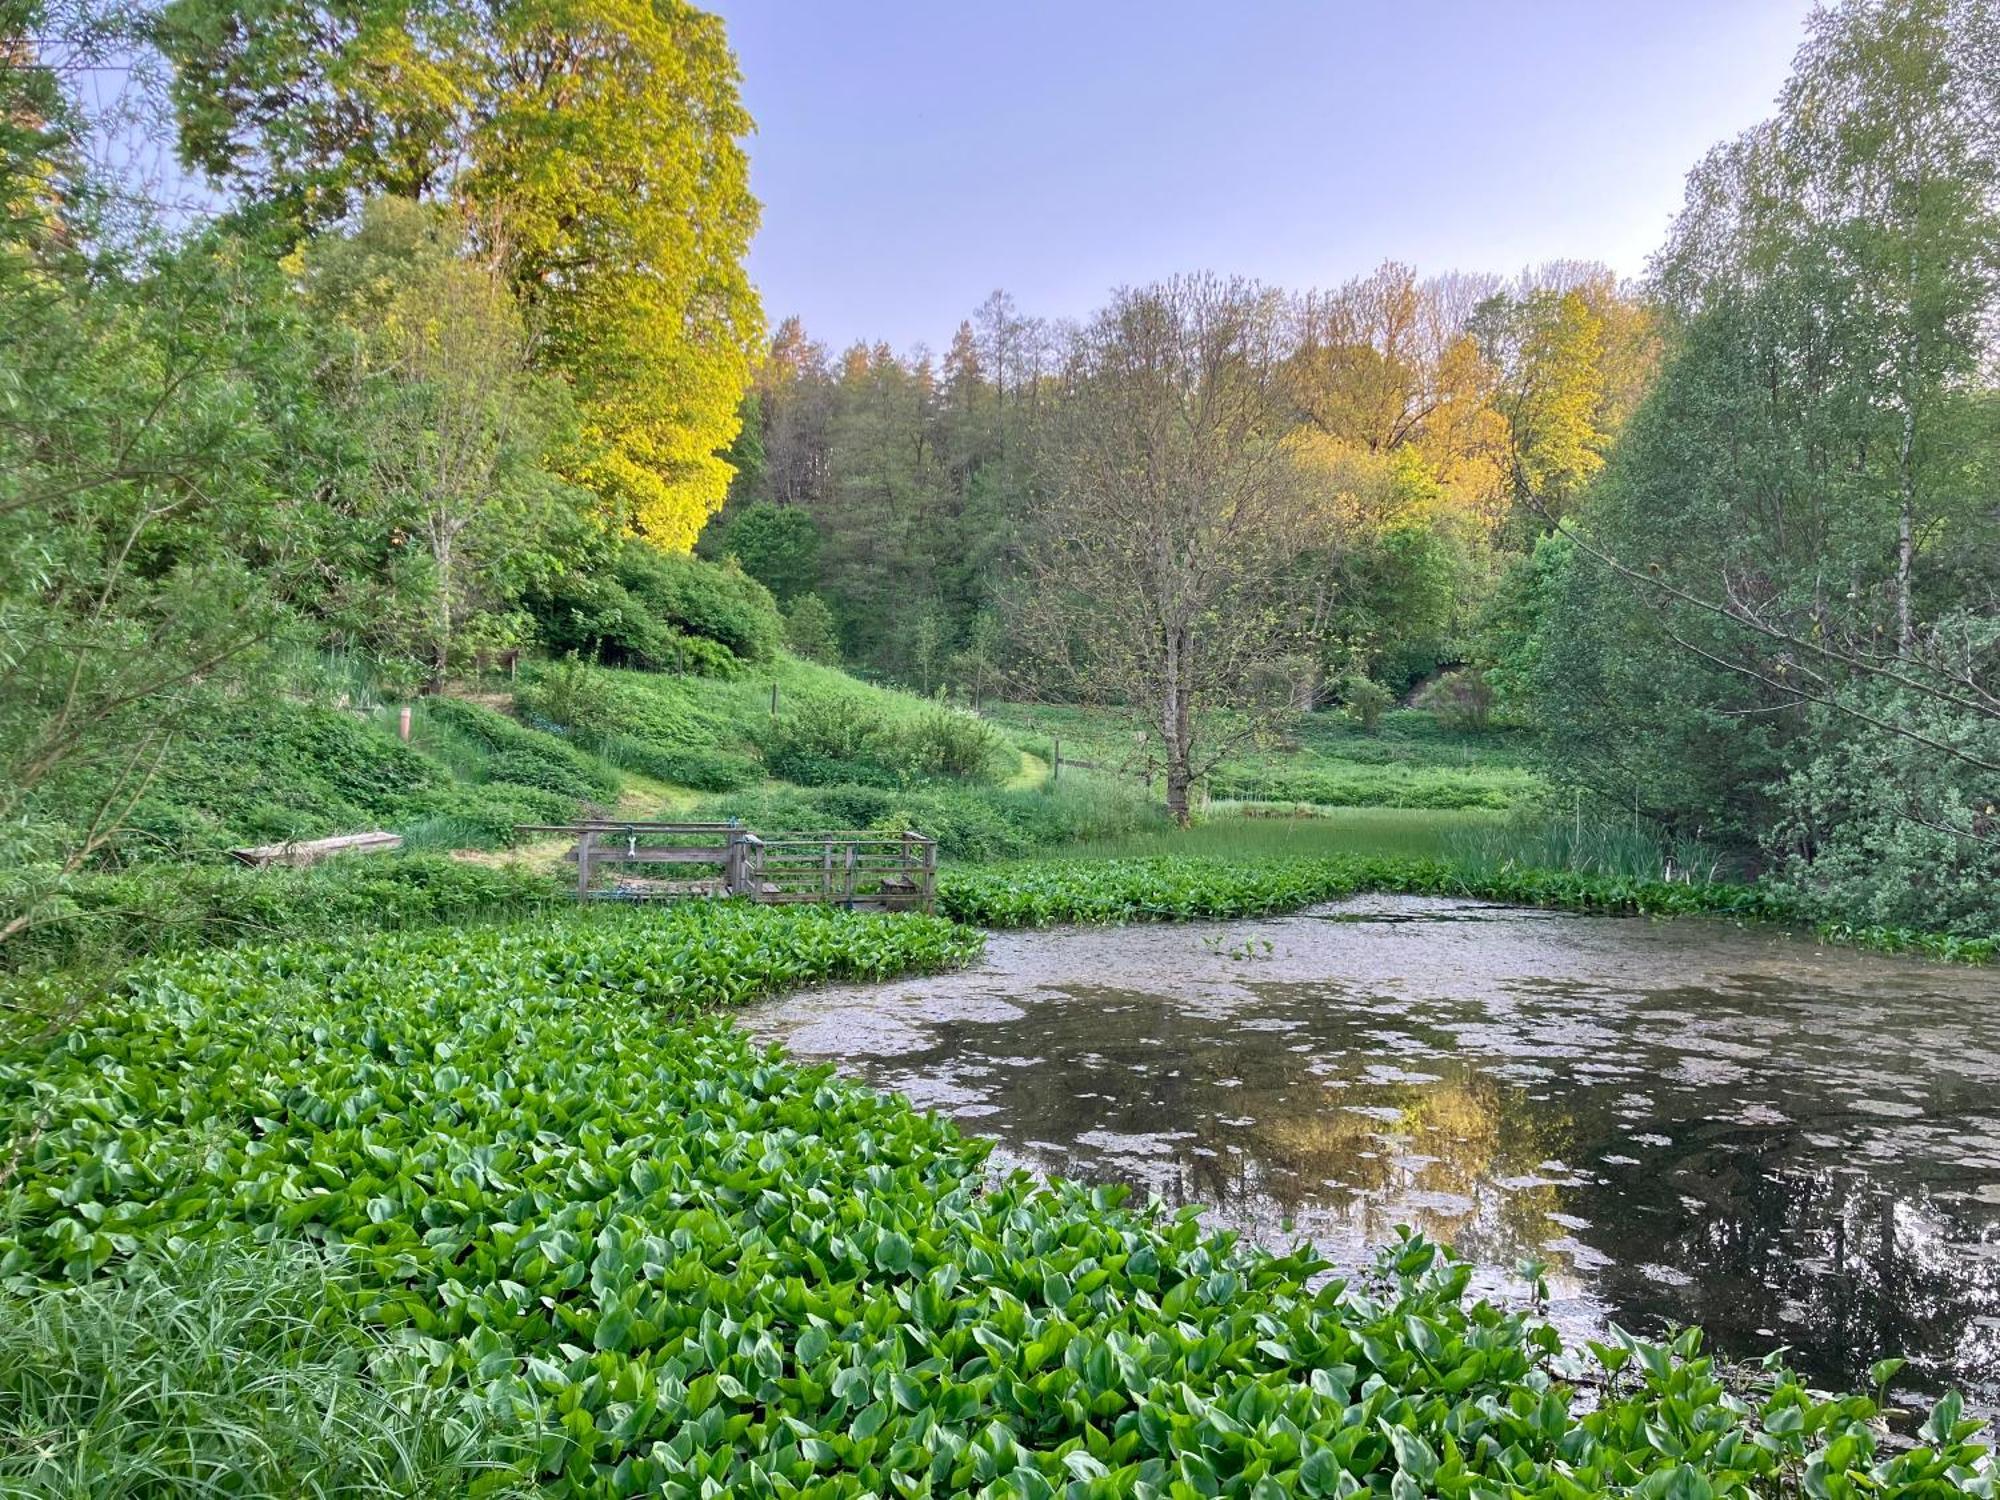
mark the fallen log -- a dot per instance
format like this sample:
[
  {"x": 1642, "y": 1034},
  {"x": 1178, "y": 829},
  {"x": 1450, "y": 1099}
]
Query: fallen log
[{"x": 301, "y": 852}]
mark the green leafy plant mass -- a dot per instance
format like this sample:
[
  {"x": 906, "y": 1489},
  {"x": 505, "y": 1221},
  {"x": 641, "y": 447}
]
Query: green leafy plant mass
[{"x": 682, "y": 1266}]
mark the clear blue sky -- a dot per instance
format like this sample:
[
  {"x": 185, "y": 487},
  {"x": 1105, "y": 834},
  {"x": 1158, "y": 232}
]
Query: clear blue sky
[{"x": 912, "y": 156}]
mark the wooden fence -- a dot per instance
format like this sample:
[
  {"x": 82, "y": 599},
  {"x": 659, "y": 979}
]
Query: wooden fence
[{"x": 630, "y": 861}]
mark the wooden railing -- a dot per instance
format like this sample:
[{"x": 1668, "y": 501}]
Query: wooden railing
[
  {"x": 890, "y": 871},
  {"x": 635, "y": 861}
]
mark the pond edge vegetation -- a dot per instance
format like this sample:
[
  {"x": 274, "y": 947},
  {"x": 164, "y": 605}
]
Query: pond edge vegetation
[{"x": 637, "y": 1254}]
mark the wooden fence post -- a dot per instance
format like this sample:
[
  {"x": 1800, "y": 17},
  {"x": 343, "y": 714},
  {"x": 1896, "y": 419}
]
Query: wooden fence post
[
  {"x": 403, "y": 725},
  {"x": 584, "y": 845},
  {"x": 774, "y": 700},
  {"x": 1055, "y": 761}
]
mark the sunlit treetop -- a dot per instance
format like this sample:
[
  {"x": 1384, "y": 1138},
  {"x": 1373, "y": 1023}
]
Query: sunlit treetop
[{"x": 595, "y": 148}]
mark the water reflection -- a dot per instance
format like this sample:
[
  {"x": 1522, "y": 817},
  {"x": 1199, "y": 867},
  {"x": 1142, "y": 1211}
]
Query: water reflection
[{"x": 1686, "y": 1122}]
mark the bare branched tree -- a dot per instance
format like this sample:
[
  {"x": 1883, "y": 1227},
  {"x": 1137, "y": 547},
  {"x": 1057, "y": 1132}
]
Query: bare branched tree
[{"x": 1171, "y": 566}]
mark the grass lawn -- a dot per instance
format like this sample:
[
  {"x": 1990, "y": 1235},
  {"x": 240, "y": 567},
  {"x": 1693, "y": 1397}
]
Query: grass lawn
[
  {"x": 1410, "y": 760},
  {"x": 1247, "y": 832}
]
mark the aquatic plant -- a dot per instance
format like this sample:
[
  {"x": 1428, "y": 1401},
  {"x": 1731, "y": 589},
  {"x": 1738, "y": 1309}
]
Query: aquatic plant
[
  {"x": 1168, "y": 888},
  {"x": 674, "y": 1264}
]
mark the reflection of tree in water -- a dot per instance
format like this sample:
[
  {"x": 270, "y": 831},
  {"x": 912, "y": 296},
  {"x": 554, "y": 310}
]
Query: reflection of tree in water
[
  {"x": 1457, "y": 1155},
  {"x": 1844, "y": 1266},
  {"x": 1205, "y": 1110},
  {"x": 1292, "y": 1110}
]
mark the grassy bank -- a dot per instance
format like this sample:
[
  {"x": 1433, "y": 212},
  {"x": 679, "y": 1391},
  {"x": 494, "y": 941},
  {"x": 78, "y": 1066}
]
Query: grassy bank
[
  {"x": 1408, "y": 760},
  {"x": 665, "y": 1262}
]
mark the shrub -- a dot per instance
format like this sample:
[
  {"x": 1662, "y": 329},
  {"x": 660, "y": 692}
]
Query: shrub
[
  {"x": 703, "y": 770},
  {"x": 968, "y": 822},
  {"x": 523, "y": 756},
  {"x": 1864, "y": 833},
  {"x": 661, "y": 612},
  {"x": 571, "y": 695},
  {"x": 717, "y": 602},
  {"x": 778, "y": 545},
  {"x": 1461, "y": 700},
  {"x": 948, "y": 742},
  {"x": 824, "y": 737},
  {"x": 98, "y": 919},
  {"x": 1365, "y": 701},
  {"x": 810, "y": 630}
]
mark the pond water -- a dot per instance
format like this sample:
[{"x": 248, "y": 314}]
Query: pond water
[{"x": 1686, "y": 1121}]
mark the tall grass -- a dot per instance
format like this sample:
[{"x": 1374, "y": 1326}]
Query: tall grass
[
  {"x": 1250, "y": 832},
  {"x": 1587, "y": 844},
  {"x": 230, "y": 1372}
]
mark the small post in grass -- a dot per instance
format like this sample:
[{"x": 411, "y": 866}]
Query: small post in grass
[{"x": 403, "y": 724}]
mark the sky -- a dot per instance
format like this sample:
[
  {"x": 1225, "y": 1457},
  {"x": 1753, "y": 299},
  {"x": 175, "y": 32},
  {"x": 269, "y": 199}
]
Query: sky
[{"x": 913, "y": 157}]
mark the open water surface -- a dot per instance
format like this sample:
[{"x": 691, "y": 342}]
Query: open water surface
[{"x": 1686, "y": 1121}]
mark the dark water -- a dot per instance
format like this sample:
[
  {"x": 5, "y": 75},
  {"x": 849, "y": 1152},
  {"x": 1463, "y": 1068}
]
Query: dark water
[{"x": 1686, "y": 1121}]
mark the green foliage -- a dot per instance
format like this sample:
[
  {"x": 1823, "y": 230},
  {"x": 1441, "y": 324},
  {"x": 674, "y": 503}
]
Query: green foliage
[
  {"x": 778, "y": 545},
  {"x": 426, "y": 370},
  {"x": 821, "y": 739},
  {"x": 235, "y": 1362},
  {"x": 1167, "y": 888},
  {"x": 1462, "y": 700},
  {"x": 1593, "y": 844},
  {"x": 522, "y": 756},
  {"x": 811, "y": 631},
  {"x": 1365, "y": 701},
  {"x": 1790, "y": 564},
  {"x": 1336, "y": 785},
  {"x": 1867, "y": 830},
  {"x": 669, "y": 1262},
  {"x": 969, "y": 822},
  {"x": 703, "y": 770},
  {"x": 947, "y": 742},
  {"x": 93, "y": 920},
  {"x": 596, "y": 143},
  {"x": 643, "y": 608}
]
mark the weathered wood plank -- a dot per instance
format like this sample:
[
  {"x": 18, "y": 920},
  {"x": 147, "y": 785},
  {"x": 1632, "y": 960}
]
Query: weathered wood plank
[{"x": 299, "y": 852}]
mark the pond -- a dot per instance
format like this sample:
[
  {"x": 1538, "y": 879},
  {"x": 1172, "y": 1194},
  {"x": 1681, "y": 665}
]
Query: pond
[{"x": 1687, "y": 1122}]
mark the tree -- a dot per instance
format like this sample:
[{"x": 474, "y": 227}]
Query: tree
[
  {"x": 452, "y": 426},
  {"x": 594, "y": 148},
  {"x": 1787, "y": 577},
  {"x": 1571, "y": 355},
  {"x": 1166, "y": 568},
  {"x": 778, "y": 545}
]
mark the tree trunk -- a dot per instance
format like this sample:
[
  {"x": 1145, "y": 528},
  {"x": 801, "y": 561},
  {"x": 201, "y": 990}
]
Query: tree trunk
[
  {"x": 1906, "y": 547},
  {"x": 1176, "y": 727}
]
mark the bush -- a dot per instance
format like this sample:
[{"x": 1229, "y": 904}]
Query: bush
[
  {"x": 810, "y": 630},
  {"x": 823, "y": 738},
  {"x": 93, "y": 920},
  {"x": 1461, "y": 700},
  {"x": 661, "y": 612},
  {"x": 522, "y": 756},
  {"x": 716, "y": 602},
  {"x": 571, "y": 695},
  {"x": 968, "y": 822},
  {"x": 950, "y": 743},
  {"x": 1365, "y": 701},
  {"x": 703, "y": 770},
  {"x": 1864, "y": 828}
]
